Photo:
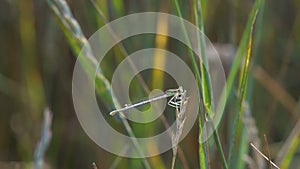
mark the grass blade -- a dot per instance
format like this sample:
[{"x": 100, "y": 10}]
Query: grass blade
[
  {"x": 237, "y": 129},
  {"x": 291, "y": 144},
  {"x": 202, "y": 147},
  {"x": 77, "y": 40},
  {"x": 43, "y": 144},
  {"x": 242, "y": 47},
  {"x": 206, "y": 80},
  {"x": 264, "y": 156}
]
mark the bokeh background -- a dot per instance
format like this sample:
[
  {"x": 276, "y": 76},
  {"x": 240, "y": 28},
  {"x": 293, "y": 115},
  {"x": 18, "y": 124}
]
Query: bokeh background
[{"x": 36, "y": 66}]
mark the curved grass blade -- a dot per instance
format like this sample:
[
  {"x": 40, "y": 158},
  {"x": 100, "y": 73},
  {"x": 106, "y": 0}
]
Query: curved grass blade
[
  {"x": 77, "y": 40},
  {"x": 242, "y": 87}
]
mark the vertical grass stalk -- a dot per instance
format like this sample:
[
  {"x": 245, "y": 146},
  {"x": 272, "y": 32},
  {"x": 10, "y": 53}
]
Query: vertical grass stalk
[
  {"x": 43, "y": 144},
  {"x": 206, "y": 80},
  {"x": 202, "y": 147},
  {"x": 242, "y": 90},
  {"x": 238, "y": 57}
]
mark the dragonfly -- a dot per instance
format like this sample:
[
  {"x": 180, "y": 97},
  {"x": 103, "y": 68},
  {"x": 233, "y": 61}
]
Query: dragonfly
[{"x": 176, "y": 100}]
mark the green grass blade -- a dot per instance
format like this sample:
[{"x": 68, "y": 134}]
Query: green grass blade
[
  {"x": 237, "y": 129},
  {"x": 191, "y": 54},
  {"x": 77, "y": 40},
  {"x": 294, "y": 144},
  {"x": 290, "y": 146},
  {"x": 204, "y": 84},
  {"x": 241, "y": 49},
  {"x": 220, "y": 149},
  {"x": 202, "y": 147},
  {"x": 206, "y": 80}
]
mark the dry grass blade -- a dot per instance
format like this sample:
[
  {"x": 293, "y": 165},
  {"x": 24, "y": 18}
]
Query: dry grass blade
[
  {"x": 180, "y": 120},
  {"x": 275, "y": 89},
  {"x": 269, "y": 155},
  {"x": 43, "y": 144},
  {"x": 252, "y": 132},
  {"x": 264, "y": 156}
]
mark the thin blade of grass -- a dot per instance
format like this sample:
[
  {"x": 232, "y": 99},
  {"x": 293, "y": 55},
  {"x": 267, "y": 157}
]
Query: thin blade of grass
[
  {"x": 288, "y": 150},
  {"x": 264, "y": 156},
  {"x": 276, "y": 90},
  {"x": 245, "y": 41},
  {"x": 240, "y": 52},
  {"x": 238, "y": 128},
  {"x": 252, "y": 136},
  {"x": 77, "y": 40},
  {"x": 206, "y": 80},
  {"x": 202, "y": 147},
  {"x": 118, "y": 159},
  {"x": 43, "y": 144},
  {"x": 204, "y": 83},
  {"x": 268, "y": 150}
]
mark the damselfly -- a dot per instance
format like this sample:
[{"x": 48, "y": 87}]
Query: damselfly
[{"x": 176, "y": 100}]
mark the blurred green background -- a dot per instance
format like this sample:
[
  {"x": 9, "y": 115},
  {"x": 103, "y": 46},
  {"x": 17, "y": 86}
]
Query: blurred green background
[{"x": 36, "y": 66}]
